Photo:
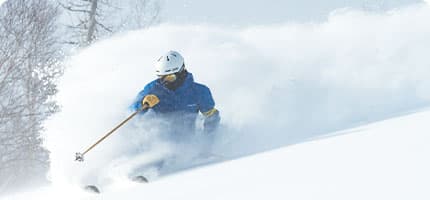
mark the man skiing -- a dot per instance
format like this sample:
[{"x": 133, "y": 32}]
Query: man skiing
[{"x": 177, "y": 99}]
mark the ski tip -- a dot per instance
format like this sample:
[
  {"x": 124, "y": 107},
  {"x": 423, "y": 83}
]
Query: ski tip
[
  {"x": 140, "y": 179},
  {"x": 92, "y": 189}
]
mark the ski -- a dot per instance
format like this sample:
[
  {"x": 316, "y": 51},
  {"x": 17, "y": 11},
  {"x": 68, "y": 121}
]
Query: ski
[
  {"x": 140, "y": 179},
  {"x": 92, "y": 189},
  {"x": 199, "y": 161}
]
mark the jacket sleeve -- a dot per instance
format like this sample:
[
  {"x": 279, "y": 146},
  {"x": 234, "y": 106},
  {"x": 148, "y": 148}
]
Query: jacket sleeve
[
  {"x": 137, "y": 103},
  {"x": 211, "y": 122},
  {"x": 207, "y": 108}
]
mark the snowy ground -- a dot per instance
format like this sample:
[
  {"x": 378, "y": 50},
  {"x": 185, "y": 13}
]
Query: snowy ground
[{"x": 384, "y": 160}]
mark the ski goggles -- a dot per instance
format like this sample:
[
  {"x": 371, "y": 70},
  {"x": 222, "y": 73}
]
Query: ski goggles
[{"x": 168, "y": 78}]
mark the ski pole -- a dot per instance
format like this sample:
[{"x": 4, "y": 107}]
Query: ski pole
[{"x": 80, "y": 156}]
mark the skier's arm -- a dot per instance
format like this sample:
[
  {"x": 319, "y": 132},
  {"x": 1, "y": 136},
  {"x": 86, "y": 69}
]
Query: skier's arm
[
  {"x": 143, "y": 97},
  {"x": 207, "y": 108},
  {"x": 211, "y": 120},
  {"x": 137, "y": 103}
]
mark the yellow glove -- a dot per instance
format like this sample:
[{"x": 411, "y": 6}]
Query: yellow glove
[
  {"x": 150, "y": 100},
  {"x": 211, "y": 121}
]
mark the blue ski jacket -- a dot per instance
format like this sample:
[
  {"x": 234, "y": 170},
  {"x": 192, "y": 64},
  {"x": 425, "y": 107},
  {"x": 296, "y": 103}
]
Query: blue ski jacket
[{"x": 181, "y": 106}]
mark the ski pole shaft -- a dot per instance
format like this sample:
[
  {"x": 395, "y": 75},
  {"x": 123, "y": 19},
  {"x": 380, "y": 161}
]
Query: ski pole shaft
[{"x": 80, "y": 156}]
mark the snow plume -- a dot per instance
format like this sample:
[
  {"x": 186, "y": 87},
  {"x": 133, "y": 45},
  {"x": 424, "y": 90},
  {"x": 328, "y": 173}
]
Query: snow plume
[{"x": 274, "y": 85}]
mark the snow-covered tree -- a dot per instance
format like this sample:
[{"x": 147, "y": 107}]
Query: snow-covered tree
[
  {"x": 89, "y": 20},
  {"x": 29, "y": 66}
]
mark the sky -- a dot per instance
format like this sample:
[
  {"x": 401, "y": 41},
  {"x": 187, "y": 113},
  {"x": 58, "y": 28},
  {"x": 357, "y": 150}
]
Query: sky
[{"x": 245, "y": 12}]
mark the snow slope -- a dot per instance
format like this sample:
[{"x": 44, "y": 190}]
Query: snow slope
[{"x": 383, "y": 160}]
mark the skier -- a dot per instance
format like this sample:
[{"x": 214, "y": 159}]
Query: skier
[{"x": 177, "y": 99}]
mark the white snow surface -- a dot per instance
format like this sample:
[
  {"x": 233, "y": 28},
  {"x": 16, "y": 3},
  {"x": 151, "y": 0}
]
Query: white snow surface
[
  {"x": 384, "y": 160},
  {"x": 277, "y": 87}
]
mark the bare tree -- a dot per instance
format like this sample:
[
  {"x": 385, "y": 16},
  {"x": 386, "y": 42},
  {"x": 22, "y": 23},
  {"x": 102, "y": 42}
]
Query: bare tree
[
  {"x": 94, "y": 19},
  {"x": 140, "y": 14},
  {"x": 29, "y": 65}
]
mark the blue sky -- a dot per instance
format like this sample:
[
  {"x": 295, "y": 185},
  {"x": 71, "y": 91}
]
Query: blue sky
[
  {"x": 252, "y": 12},
  {"x": 249, "y": 12}
]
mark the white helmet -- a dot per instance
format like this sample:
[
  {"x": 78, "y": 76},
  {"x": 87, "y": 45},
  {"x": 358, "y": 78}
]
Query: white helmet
[{"x": 169, "y": 63}]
